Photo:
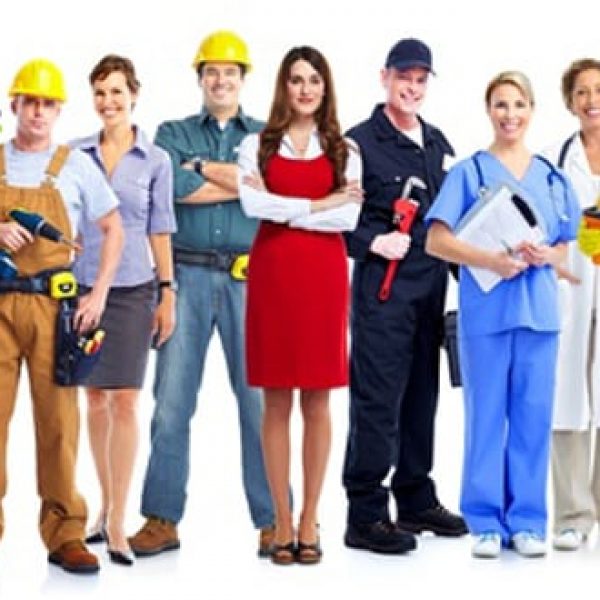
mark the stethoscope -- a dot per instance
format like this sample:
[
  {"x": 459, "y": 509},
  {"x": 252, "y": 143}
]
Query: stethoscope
[{"x": 560, "y": 201}]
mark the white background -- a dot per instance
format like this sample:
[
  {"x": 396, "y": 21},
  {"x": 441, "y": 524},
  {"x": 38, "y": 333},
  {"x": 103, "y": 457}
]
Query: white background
[{"x": 471, "y": 42}]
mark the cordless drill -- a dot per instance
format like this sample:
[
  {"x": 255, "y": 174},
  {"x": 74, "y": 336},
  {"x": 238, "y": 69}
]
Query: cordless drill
[
  {"x": 37, "y": 225},
  {"x": 8, "y": 269}
]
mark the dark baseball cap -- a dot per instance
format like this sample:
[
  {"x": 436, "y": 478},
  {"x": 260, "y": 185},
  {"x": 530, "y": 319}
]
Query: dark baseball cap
[{"x": 408, "y": 53}]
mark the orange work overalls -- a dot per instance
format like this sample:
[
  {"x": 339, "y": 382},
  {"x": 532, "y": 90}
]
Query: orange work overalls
[{"x": 27, "y": 324}]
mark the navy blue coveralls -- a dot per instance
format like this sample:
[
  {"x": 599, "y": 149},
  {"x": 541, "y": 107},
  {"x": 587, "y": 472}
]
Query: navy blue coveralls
[{"x": 394, "y": 376}]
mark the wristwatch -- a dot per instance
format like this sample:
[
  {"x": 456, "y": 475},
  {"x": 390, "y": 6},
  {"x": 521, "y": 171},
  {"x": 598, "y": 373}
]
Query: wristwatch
[
  {"x": 199, "y": 165},
  {"x": 168, "y": 283}
]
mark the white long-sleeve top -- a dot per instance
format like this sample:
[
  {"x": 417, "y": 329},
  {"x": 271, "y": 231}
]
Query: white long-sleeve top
[{"x": 295, "y": 211}]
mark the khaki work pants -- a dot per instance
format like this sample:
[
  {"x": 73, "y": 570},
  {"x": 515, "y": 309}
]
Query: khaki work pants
[
  {"x": 576, "y": 479},
  {"x": 27, "y": 323}
]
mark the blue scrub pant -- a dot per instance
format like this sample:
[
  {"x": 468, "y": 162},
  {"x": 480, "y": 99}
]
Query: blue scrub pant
[{"x": 508, "y": 387}]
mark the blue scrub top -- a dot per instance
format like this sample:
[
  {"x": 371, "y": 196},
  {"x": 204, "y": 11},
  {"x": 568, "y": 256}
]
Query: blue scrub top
[{"x": 529, "y": 299}]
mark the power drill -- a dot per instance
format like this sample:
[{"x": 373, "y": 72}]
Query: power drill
[
  {"x": 37, "y": 225},
  {"x": 8, "y": 269}
]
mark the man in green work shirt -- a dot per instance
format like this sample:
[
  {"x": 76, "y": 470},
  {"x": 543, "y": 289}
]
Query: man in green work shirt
[{"x": 210, "y": 249}]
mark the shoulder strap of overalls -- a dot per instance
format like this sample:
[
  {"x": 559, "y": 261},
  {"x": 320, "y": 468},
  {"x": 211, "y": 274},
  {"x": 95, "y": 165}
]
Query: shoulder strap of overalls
[
  {"x": 563, "y": 151},
  {"x": 56, "y": 164}
]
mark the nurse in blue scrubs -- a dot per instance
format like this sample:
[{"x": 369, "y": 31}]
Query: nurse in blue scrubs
[{"x": 508, "y": 336}]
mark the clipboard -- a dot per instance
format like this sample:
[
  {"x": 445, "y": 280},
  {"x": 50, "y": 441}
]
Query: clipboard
[{"x": 500, "y": 220}]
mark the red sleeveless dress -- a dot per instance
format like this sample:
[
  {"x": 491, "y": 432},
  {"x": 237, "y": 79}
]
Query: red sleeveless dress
[{"x": 297, "y": 306}]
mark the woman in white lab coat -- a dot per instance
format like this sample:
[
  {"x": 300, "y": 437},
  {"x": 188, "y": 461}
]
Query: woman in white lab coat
[{"x": 576, "y": 441}]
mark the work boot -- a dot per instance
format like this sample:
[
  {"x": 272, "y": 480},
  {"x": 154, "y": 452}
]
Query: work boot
[
  {"x": 265, "y": 541},
  {"x": 74, "y": 557},
  {"x": 438, "y": 520},
  {"x": 382, "y": 537},
  {"x": 156, "y": 536}
]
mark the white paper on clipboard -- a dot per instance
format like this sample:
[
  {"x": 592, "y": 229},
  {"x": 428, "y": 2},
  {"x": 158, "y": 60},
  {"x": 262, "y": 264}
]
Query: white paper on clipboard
[{"x": 497, "y": 222}]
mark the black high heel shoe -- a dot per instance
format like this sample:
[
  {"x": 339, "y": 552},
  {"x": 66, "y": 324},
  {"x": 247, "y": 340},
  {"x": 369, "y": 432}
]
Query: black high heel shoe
[
  {"x": 121, "y": 558},
  {"x": 97, "y": 534}
]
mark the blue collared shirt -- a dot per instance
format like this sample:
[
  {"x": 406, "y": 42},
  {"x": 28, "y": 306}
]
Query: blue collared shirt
[
  {"x": 215, "y": 226},
  {"x": 143, "y": 182}
]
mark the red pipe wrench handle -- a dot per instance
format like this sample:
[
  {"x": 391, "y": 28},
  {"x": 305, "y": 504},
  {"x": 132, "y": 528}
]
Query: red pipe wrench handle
[
  {"x": 405, "y": 211},
  {"x": 386, "y": 284}
]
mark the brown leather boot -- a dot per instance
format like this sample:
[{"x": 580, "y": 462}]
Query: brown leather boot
[
  {"x": 156, "y": 536},
  {"x": 265, "y": 541},
  {"x": 74, "y": 557}
]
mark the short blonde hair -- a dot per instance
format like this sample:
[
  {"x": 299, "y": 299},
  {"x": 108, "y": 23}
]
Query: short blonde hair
[{"x": 516, "y": 78}]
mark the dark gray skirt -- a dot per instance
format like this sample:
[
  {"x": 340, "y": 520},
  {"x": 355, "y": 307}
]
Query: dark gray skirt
[{"x": 127, "y": 321}]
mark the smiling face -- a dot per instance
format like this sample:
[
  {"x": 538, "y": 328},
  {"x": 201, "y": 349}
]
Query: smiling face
[
  {"x": 221, "y": 83},
  {"x": 509, "y": 111},
  {"x": 113, "y": 100},
  {"x": 305, "y": 89},
  {"x": 585, "y": 99},
  {"x": 405, "y": 89}
]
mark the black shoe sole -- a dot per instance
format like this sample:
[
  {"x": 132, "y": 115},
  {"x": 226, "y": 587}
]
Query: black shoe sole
[
  {"x": 439, "y": 531},
  {"x": 358, "y": 543},
  {"x": 144, "y": 553},
  {"x": 81, "y": 570}
]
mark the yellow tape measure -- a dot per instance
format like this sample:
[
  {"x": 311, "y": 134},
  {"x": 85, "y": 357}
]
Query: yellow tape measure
[{"x": 63, "y": 285}]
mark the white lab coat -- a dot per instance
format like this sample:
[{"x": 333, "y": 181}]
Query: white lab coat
[{"x": 577, "y": 397}]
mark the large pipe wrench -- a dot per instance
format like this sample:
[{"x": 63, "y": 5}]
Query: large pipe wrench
[{"x": 405, "y": 211}]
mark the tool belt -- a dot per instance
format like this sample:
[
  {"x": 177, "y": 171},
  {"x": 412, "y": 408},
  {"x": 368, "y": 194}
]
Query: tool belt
[
  {"x": 56, "y": 283},
  {"x": 236, "y": 263},
  {"x": 75, "y": 354}
]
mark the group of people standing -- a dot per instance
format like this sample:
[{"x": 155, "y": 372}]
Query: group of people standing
[{"x": 229, "y": 223}]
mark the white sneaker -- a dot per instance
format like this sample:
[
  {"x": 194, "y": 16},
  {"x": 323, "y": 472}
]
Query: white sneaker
[
  {"x": 528, "y": 544},
  {"x": 568, "y": 539},
  {"x": 487, "y": 545}
]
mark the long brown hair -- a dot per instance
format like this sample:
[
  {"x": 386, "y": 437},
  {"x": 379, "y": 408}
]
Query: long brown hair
[{"x": 280, "y": 117}]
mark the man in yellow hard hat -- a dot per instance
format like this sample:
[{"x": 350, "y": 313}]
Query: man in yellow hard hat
[
  {"x": 59, "y": 185},
  {"x": 212, "y": 241}
]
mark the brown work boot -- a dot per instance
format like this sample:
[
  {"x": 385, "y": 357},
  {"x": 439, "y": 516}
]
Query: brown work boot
[
  {"x": 156, "y": 536},
  {"x": 265, "y": 541},
  {"x": 74, "y": 557}
]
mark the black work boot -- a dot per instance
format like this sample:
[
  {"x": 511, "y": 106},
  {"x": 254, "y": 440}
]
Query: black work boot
[
  {"x": 382, "y": 536},
  {"x": 437, "y": 519}
]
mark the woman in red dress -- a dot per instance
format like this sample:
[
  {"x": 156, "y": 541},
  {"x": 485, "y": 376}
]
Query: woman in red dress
[{"x": 302, "y": 179}]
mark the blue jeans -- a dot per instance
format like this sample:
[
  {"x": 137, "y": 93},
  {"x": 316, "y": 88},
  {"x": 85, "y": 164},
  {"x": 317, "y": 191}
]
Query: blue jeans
[{"x": 206, "y": 299}]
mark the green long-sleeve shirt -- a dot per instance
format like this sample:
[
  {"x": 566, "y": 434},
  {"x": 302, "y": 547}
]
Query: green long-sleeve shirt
[{"x": 214, "y": 226}]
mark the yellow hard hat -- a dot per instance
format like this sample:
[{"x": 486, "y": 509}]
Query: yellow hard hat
[
  {"x": 222, "y": 46},
  {"x": 40, "y": 78}
]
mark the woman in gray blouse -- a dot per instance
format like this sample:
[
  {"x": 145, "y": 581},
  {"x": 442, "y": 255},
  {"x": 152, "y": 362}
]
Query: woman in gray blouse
[{"x": 140, "y": 174}]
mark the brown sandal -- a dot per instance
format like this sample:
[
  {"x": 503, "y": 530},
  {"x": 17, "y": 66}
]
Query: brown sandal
[
  {"x": 309, "y": 554},
  {"x": 283, "y": 554}
]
